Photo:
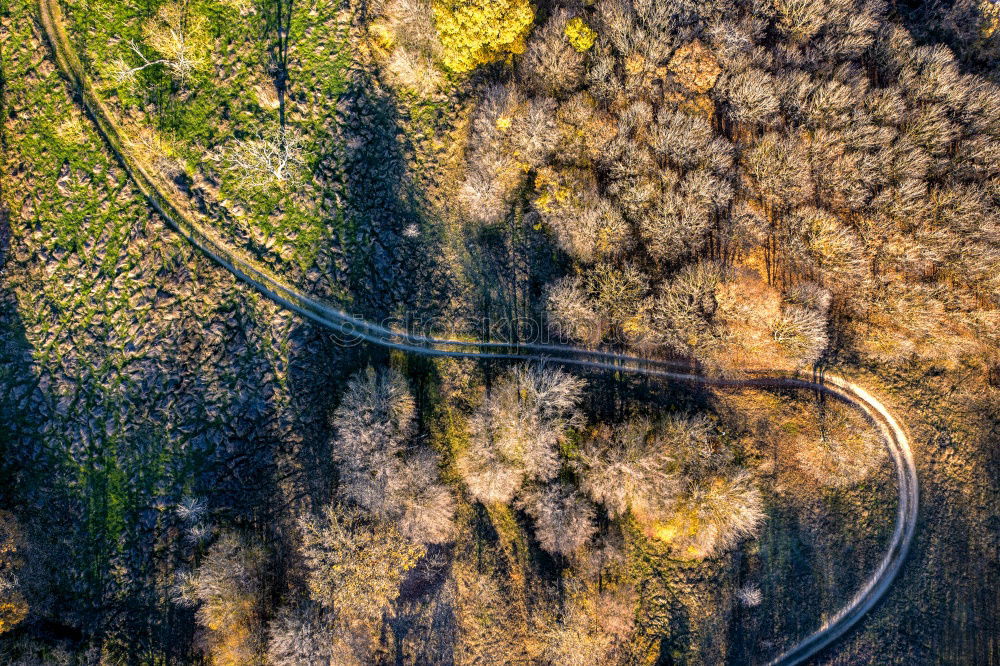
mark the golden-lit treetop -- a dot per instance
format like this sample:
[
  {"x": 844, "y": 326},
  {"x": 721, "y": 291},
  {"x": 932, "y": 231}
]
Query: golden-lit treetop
[
  {"x": 990, "y": 22},
  {"x": 579, "y": 34},
  {"x": 476, "y": 32},
  {"x": 695, "y": 67},
  {"x": 13, "y": 607}
]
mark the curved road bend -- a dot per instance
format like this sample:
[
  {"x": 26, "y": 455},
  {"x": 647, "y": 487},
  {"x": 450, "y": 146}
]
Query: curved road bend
[{"x": 245, "y": 268}]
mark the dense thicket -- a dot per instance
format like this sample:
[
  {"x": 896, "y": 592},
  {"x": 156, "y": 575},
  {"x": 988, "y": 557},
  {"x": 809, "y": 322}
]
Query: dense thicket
[
  {"x": 676, "y": 479},
  {"x": 821, "y": 161}
]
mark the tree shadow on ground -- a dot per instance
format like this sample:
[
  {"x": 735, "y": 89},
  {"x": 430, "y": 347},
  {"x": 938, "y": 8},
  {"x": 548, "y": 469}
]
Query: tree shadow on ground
[
  {"x": 756, "y": 634},
  {"x": 957, "y": 25},
  {"x": 393, "y": 266},
  {"x": 510, "y": 264}
]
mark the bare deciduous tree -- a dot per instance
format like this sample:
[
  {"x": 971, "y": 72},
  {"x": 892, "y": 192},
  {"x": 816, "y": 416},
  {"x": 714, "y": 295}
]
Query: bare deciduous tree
[
  {"x": 309, "y": 635},
  {"x": 586, "y": 225},
  {"x": 407, "y": 34},
  {"x": 378, "y": 471},
  {"x": 838, "y": 450},
  {"x": 550, "y": 65},
  {"x": 177, "y": 35},
  {"x": 713, "y": 514},
  {"x": 493, "y": 172},
  {"x": 228, "y": 590},
  {"x": 355, "y": 565},
  {"x": 426, "y": 506},
  {"x": 516, "y": 432},
  {"x": 683, "y": 313},
  {"x": 594, "y": 626},
  {"x": 373, "y": 423},
  {"x": 571, "y": 313},
  {"x": 564, "y": 520},
  {"x": 667, "y": 173},
  {"x": 751, "y": 96},
  {"x": 749, "y": 595},
  {"x": 630, "y": 468},
  {"x": 802, "y": 331},
  {"x": 271, "y": 157}
]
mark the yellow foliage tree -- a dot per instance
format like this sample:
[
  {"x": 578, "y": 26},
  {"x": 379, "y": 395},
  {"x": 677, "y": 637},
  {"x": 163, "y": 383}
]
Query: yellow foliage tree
[
  {"x": 579, "y": 34},
  {"x": 476, "y": 32}
]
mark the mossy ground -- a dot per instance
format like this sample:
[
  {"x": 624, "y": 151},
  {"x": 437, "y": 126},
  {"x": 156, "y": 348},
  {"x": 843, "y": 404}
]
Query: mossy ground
[
  {"x": 178, "y": 123},
  {"x": 134, "y": 372}
]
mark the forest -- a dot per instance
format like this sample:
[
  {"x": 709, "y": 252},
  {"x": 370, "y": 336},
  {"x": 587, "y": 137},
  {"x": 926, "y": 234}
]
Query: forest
[{"x": 559, "y": 332}]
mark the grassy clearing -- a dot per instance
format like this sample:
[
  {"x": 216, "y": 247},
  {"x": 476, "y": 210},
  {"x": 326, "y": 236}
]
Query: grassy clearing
[
  {"x": 130, "y": 365},
  {"x": 230, "y": 95}
]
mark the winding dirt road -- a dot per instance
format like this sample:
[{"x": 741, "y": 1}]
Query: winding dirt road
[{"x": 200, "y": 234}]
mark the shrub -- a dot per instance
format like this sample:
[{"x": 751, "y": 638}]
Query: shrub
[
  {"x": 488, "y": 629},
  {"x": 749, "y": 595}
]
